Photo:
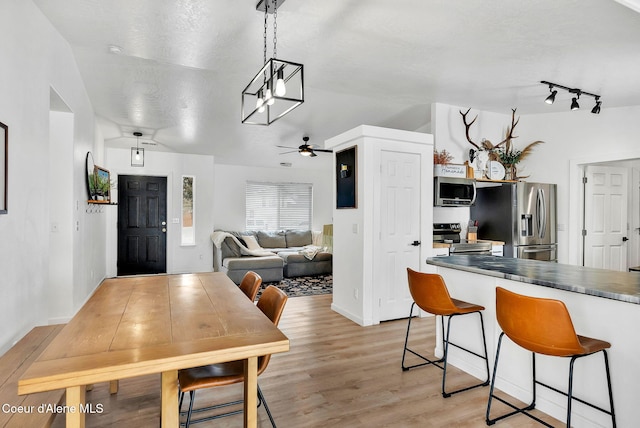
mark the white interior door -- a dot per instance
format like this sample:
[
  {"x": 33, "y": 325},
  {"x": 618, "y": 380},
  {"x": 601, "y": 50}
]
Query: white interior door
[
  {"x": 399, "y": 231},
  {"x": 605, "y": 217}
]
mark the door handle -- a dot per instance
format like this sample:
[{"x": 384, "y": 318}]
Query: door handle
[
  {"x": 625, "y": 239},
  {"x": 164, "y": 223},
  {"x": 415, "y": 243},
  {"x": 164, "y": 230}
]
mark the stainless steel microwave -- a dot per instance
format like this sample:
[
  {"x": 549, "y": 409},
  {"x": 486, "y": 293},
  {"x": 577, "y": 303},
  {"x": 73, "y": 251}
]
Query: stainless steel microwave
[{"x": 453, "y": 192}]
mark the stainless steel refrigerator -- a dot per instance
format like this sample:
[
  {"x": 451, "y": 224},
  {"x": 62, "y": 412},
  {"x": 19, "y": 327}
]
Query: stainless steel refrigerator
[{"x": 522, "y": 215}]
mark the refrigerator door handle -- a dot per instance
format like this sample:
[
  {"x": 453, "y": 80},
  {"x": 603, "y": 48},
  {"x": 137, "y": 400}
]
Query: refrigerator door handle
[
  {"x": 541, "y": 215},
  {"x": 539, "y": 250}
]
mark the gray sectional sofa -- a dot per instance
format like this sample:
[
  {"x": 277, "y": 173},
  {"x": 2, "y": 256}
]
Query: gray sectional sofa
[{"x": 280, "y": 254}]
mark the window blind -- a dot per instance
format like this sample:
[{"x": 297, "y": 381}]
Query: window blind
[{"x": 279, "y": 206}]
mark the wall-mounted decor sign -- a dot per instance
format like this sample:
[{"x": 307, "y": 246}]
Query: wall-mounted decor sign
[
  {"x": 346, "y": 179},
  {"x": 4, "y": 165}
]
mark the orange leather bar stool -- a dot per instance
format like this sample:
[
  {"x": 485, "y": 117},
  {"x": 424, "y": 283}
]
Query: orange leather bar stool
[
  {"x": 543, "y": 326},
  {"x": 430, "y": 293}
]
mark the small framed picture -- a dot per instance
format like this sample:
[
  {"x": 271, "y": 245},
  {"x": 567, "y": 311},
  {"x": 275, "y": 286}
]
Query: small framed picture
[
  {"x": 346, "y": 179},
  {"x": 103, "y": 184}
]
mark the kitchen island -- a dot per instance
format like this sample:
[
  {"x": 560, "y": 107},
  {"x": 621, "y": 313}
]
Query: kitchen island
[{"x": 603, "y": 304}]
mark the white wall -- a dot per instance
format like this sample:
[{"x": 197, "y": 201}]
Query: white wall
[
  {"x": 230, "y": 186},
  {"x": 180, "y": 259},
  {"x": 61, "y": 218},
  {"x": 35, "y": 58},
  {"x": 572, "y": 140}
]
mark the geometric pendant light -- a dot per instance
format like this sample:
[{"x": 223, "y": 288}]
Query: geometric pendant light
[{"x": 278, "y": 87}]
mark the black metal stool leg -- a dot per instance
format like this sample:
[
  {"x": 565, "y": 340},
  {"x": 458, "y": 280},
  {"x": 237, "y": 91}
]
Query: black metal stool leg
[
  {"x": 606, "y": 366},
  {"x": 407, "y": 349},
  {"x": 192, "y": 396},
  {"x": 444, "y": 358},
  {"x": 266, "y": 407},
  {"x": 447, "y": 342},
  {"x": 516, "y": 410}
]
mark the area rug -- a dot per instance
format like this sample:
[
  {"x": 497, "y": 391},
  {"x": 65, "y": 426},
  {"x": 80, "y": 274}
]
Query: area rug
[{"x": 306, "y": 285}]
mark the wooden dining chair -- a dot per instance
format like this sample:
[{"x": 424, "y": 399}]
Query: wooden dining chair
[
  {"x": 543, "y": 326},
  {"x": 429, "y": 293},
  {"x": 271, "y": 303},
  {"x": 250, "y": 284}
]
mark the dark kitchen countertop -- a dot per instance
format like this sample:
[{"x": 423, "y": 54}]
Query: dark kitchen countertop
[{"x": 622, "y": 286}]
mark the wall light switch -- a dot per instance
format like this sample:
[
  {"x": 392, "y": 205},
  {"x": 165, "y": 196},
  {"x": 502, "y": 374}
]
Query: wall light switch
[{"x": 175, "y": 220}]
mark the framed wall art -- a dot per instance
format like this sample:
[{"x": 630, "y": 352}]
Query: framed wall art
[
  {"x": 4, "y": 166},
  {"x": 103, "y": 184},
  {"x": 346, "y": 179}
]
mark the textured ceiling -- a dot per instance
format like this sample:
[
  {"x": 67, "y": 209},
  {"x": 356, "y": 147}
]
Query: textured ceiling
[{"x": 184, "y": 63}]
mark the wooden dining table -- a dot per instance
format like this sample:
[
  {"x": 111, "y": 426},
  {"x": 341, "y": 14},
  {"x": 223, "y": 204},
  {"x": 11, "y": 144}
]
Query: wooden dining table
[{"x": 134, "y": 326}]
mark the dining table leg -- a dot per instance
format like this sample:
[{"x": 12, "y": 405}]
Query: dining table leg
[
  {"x": 75, "y": 401},
  {"x": 169, "y": 417},
  {"x": 251, "y": 392}
]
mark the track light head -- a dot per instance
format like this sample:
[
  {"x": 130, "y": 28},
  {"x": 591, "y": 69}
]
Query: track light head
[
  {"x": 596, "y": 108},
  {"x": 574, "y": 103},
  {"x": 552, "y": 97}
]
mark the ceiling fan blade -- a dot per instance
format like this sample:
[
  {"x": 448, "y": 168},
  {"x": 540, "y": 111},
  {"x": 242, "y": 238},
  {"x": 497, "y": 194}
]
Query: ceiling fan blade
[
  {"x": 287, "y": 147},
  {"x": 323, "y": 150},
  {"x": 313, "y": 154},
  {"x": 291, "y": 151}
]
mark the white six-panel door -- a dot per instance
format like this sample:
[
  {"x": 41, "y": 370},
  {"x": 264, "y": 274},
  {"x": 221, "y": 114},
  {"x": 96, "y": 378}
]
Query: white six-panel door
[
  {"x": 400, "y": 227},
  {"x": 605, "y": 217}
]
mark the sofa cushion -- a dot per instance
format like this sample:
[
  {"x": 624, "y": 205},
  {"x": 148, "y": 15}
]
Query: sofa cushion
[
  {"x": 271, "y": 239},
  {"x": 291, "y": 257},
  {"x": 298, "y": 238},
  {"x": 252, "y": 263},
  {"x": 229, "y": 248}
]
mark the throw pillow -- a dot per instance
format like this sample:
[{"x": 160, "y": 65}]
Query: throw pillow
[
  {"x": 251, "y": 242},
  {"x": 298, "y": 238},
  {"x": 271, "y": 239}
]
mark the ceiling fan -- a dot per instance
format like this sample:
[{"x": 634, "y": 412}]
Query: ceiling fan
[{"x": 306, "y": 149}]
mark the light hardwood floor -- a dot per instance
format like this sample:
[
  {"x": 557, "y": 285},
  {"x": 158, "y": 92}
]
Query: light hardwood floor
[{"x": 337, "y": 374}]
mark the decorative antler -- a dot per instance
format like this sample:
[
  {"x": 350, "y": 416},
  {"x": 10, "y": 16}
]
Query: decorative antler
[
  {"x": 509, "y": 135},
  {"x": 468, "y": 125}
]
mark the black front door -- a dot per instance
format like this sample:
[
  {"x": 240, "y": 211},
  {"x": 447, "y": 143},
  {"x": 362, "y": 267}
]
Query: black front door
[{"x": 142, "y": 224}]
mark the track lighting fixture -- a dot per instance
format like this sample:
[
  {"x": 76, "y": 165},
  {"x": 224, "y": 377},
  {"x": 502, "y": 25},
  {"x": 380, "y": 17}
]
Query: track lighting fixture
[{"x": 574, "y": 100}]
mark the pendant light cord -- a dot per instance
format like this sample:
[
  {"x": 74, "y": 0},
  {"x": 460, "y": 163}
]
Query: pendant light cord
[{"x": 275, "y": 27}]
